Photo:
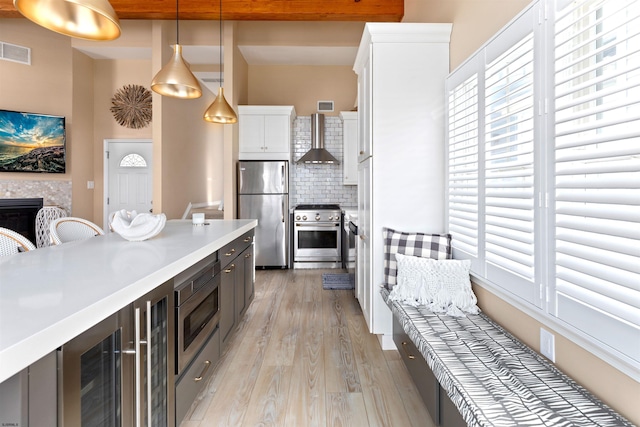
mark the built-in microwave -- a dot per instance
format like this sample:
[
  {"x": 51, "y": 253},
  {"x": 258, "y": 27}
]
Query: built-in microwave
[{"x": 197, "y": 312}]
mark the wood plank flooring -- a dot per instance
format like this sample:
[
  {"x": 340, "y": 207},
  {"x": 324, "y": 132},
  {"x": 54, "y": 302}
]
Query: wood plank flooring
[{"x": 302, "y": 356}]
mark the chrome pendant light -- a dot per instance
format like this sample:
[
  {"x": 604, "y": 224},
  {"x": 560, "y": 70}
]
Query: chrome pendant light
[
  {"x": 220, "y": 111},
  {"x": 84, "y": 19},
  {"x": 175, "y": 79}
]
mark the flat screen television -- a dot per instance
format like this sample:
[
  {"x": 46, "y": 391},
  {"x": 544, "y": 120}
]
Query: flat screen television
[{"x": 32, "y": 142}]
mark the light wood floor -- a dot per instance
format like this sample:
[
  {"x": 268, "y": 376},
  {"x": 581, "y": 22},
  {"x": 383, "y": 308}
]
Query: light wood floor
[{"x": 302, "y": 356}]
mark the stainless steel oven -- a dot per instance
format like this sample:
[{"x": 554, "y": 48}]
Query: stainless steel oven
[
  {"x": 317, "y": 236},
  {"x": 197, "y": 294}
]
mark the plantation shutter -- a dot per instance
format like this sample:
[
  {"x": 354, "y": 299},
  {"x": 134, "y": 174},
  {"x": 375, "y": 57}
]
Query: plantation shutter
[
  {"x": 597, "y": 171},
  {"x": 509, "y": 168},
  {"x": 463, "y": 167}
]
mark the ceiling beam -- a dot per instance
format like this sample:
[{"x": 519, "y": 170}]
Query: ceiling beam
[{"x": 252, "y": 10}]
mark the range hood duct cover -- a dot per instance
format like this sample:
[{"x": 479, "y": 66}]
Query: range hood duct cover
[{"x": 318, "y": 154}]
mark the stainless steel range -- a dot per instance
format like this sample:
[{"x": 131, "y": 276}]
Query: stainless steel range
[{"x": 316, "y": 236}]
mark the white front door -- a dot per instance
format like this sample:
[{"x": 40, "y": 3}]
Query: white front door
[{"x": 128, "y": 176}]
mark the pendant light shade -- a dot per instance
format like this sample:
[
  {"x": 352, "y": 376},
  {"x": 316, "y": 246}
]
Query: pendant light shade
[
  {"x": 176, "y": 79},
  {"x": 220, "y": 111},
  {"x": 84, "y": 19}
]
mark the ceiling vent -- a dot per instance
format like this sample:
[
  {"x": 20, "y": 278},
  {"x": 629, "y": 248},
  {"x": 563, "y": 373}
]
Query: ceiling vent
[
  {"x": 15, "y": 53},
  {"x": 325, "y": 106}
]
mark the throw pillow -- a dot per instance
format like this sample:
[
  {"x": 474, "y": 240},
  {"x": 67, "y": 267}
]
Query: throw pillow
[
  {"x": 442, "y": 286},
  {"x": 436, "y": 246}
]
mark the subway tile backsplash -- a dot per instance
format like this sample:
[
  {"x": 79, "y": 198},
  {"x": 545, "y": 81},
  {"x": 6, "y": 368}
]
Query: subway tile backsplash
[{"x": 321, "y": 184}]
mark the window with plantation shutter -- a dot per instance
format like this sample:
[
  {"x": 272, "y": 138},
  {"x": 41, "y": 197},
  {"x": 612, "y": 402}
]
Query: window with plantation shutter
[
  {"x": 597, "y": 171},
  {"x": 463, "y": 166},
  {"x": 509, "y": 167},
  {"x": 544, "y": 170}
]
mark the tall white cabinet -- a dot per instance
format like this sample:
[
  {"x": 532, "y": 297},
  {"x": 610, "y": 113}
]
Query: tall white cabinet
[{"x": 401, "y": 70}]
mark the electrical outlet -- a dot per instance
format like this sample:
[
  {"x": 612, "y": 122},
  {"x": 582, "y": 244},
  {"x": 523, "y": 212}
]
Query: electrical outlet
[
  {"x": 548, "y": 345},
  {"x": 90, "y": 185}
]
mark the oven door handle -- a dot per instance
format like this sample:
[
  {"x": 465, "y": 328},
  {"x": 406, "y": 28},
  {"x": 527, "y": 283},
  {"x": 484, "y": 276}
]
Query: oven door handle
[{"x": 315, "y": 225}]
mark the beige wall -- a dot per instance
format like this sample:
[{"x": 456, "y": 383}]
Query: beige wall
[
  {"x": 45, "y": 86},
  {"x": 83, "y": 159},
  {"x": 303, "y": 86},
  {"x": 474, "y": 21}
]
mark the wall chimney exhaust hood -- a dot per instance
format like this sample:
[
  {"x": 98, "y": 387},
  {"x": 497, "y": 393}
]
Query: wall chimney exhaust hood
[{"x": 318, "y": 154}]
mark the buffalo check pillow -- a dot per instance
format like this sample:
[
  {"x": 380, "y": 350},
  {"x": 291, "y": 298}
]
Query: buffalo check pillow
[{"x": 434, "y": 246}]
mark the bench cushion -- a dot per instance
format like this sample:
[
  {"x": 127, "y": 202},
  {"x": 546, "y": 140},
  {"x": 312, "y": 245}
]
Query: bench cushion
[{"x": 494, "y": 379}]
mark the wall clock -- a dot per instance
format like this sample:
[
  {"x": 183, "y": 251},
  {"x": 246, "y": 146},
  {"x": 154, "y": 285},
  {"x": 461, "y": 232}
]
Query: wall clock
[{"x": 131, "y": 106}]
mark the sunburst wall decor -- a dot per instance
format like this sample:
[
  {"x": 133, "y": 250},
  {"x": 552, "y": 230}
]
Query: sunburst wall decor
[{"x": 131, "y": 106}]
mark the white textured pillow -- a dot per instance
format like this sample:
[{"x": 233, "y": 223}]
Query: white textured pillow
[{"x": 443, "y": 286}]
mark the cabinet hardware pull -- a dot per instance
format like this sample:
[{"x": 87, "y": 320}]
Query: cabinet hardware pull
[
  {"x": 136, "y": 343},
  {"x": 230, "y": 269},
  {"x": 149, "y": 349},
  {"x": 207, "y": 364},
  {"x": 247, "y": 256},
  {"x": 247, "y": 239},
  {"x": 362, "y": 152},
  {"x": 404, "y": 347},
  {"x": 231, "y": 252}
]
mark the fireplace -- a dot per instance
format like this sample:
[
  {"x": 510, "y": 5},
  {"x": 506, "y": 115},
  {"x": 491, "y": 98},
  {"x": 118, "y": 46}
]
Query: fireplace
[{"x": 19, "y": 215}]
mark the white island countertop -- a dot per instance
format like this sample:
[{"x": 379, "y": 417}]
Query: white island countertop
[{"x": 51, "y": 295}]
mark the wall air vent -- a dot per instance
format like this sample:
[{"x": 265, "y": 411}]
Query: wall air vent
[
  {"x": 15, "y": 53},
  {"x": 213, "y": 80},
  {"x": 325, "y": 106}
]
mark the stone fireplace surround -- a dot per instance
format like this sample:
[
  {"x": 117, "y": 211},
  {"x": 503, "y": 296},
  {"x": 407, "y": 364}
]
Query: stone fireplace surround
[{"x": 53, "y": 193}]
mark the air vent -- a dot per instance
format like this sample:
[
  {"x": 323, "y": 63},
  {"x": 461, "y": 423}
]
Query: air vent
[
  {"x": 325, "y": 106},
  {"x": 213, "y": 80},
  {"x": 15, "y": 53}
]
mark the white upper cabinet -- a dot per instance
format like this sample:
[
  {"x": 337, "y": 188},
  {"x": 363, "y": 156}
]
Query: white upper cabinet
[
  {"x": 265, "y": 132},
  {"x": 349, "y": 147}
]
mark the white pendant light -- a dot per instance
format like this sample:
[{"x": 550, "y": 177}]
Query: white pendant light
[
  {"x": 175, "y": 79},
  {"x": 84, "y": 19},
  {"x": 220, "y": 111}
]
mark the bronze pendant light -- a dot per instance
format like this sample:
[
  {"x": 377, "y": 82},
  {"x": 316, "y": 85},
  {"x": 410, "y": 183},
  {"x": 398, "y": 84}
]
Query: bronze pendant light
[
  {"x": 84, "y": 19},
  {"x": 220, "y": 111},
  {"x": 175, "y": 79}
]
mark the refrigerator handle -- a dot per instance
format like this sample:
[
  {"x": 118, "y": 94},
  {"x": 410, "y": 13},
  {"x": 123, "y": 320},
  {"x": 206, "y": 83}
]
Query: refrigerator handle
[
  {"x": 283, "y": 175},
  {"x": 283, "y": 209}
]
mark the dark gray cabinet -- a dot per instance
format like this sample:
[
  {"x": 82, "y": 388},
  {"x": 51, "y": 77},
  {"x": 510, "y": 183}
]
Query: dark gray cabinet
[
  {"x": 236, "y": 288},
  {"x": 442, "y": 410}
]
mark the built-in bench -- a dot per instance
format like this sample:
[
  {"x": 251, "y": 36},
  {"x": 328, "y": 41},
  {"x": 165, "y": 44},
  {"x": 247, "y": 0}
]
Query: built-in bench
[{"x": 470, "y": 371}]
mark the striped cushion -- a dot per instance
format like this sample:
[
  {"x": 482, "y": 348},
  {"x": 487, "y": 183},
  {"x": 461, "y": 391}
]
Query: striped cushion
[{"x": 494, "y": 379}]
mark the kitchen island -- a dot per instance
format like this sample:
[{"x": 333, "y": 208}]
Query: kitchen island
[{"x": 51, "y": 295}]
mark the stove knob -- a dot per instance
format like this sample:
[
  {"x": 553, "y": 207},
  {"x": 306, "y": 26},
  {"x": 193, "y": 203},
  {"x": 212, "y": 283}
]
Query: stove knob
[
  {"x": 304, "y": 217},
  {"x": 317, "y": 217},
  {"x": 297, "y": 217}
]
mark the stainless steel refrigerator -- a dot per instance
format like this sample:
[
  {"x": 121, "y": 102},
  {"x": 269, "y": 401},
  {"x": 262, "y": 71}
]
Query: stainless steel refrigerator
[{"x": 263, "y": 194}]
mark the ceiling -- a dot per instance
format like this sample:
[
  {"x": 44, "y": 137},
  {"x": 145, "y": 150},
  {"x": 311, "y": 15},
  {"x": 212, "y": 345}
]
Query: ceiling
[
  {"x": 254, "y": 55},
  {"x": 248, "y": 10}
]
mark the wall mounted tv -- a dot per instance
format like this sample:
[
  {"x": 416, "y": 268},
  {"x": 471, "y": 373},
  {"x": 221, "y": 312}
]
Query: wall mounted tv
[{"x": 32, "y": 142}]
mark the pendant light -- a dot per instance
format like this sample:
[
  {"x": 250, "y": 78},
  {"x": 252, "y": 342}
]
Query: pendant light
[
  {"x": 175, "y": 79},
  {"x": 220, "y": 111},
  {"x": 84, "y": 19}
]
